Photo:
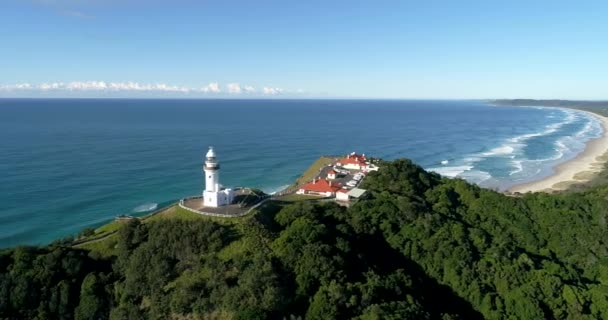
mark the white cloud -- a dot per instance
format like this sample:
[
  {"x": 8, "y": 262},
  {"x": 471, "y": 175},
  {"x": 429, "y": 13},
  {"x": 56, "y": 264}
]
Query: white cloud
[
  {"x": 272, "y": 91},
  {"x": 50, "y": 86},
  {"x": 17, "y": 86},
  {"x": 212, "y": 87},
  {"x": 103, "y": 86},
  {"x": 234, "y": 88},
  {"x": 96, "y": 86}
]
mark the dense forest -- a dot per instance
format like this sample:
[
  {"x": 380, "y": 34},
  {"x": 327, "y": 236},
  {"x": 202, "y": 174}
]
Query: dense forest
[{"x": 419, "y": 247}]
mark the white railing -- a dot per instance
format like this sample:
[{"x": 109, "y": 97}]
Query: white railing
[{"x": 213, "y": 214}]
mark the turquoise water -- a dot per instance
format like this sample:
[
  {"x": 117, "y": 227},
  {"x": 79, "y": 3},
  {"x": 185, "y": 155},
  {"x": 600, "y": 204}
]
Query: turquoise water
[{"x": 70, "y": 164}]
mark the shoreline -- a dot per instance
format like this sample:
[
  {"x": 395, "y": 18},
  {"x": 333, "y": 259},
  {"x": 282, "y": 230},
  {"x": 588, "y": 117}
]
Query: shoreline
[{"x": 582, "y": 168}]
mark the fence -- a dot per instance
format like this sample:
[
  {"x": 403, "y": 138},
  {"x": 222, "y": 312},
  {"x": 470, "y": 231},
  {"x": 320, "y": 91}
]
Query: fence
[{"x": 220, "y": 215}]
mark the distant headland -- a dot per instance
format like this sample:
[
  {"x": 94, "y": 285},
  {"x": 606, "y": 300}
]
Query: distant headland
[{"x": 599, "y": 107}]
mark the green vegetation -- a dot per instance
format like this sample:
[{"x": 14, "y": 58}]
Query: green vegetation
[
  {"x": 420, "y": 247},
  {"x": 174, "y": 212},
  {"x": 109, "y": 227},
  {"x": 104, "y": 247}
]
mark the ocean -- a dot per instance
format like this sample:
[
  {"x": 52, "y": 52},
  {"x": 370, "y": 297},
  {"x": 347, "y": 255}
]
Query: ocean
[{"x": 70, "y": 164}]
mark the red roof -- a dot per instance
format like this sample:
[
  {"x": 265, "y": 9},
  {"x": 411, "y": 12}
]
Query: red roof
[
  {"x": 321, "y": 185},
  {"x": 343, "y": 191},
  {"x": 352, "y": 160},
  {"x": 331, "y": 171},
  {"x": 357, "y": 156}
]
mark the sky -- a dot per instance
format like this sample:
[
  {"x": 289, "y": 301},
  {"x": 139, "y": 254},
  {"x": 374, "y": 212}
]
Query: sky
[{"x": 304, "y": 49}]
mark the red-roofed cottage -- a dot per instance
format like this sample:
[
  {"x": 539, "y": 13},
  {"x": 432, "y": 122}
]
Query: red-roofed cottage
[
  {"x": 320, "y": 187},
  {"x": 353, "y": 161}
]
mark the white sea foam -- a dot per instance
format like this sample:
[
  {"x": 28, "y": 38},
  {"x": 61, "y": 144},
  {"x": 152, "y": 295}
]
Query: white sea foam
[
  {"x": 592, "y": 128},
  {"x": 513, "y": 148},
  {"x": 571, "y": 116},
  {"x": 519, "y": 167},
  {"x": 444, "y": 162},
  {"x": 146, "y": 207},
  {"x": 501, "y": 150},
  {"x": 476, "y": 176},
  {"x": 451, "y": 172},
  {"x": 562, "y": 146},
  {"x": 514, "y": 145},
  {"x": 281, "y": 188},
  {"x": 472, "y": 159}
]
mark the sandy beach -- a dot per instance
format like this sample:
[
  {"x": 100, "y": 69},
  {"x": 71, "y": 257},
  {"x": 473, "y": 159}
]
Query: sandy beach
[{"x": 580, "y": 169}]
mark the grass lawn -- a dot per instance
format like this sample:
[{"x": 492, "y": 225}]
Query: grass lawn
[
  {"x": 312, "y": 171},
  {"x": 173, "y": 212},
  {"x": 104, "y": 247},
  {"x": 109, "y": 227},
  {"x": 176, "y": 212}
]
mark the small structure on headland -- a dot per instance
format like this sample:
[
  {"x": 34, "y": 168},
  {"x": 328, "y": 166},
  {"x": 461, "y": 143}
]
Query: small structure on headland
[
  {"x": 331, "y": 174},
  {"x": 352, "y": 194},
  {"x": 214, "y": 195},
  {"x": 342, "y": 195},
  {"x": 353, "y": 161},
  {"x": 320, "y": 187}
]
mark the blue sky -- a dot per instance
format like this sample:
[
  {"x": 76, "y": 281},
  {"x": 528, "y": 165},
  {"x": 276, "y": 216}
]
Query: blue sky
[{"x": 317, "y": 49}]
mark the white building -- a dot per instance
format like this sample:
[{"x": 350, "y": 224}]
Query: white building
[
  {"x": 347, "y": 195},
  {"x": 331, "y": 174},
  {"x": 353, "y": 161},
  {"x": 214, "y": 195},
  {"x": 342, "y": 195}
]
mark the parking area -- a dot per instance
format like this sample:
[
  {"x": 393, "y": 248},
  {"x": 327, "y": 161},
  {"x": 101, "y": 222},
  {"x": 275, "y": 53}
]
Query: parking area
[{"x": 347, "y": 178}]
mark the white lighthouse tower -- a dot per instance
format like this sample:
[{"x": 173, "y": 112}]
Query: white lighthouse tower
[{"x": 214, "y": 195}]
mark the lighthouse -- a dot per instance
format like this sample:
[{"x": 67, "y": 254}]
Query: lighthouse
[{"x": 214, "y": 195}]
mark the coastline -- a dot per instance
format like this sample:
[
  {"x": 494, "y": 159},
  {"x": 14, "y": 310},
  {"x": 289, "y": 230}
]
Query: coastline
[{"x": 582, "y": 168}]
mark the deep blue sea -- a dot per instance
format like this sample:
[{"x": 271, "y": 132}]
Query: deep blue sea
[{"x": 70, "y": 164}]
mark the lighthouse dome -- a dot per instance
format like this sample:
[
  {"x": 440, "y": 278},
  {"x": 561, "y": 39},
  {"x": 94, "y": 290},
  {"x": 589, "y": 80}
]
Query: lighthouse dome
[{"x": 210, "y": 153}]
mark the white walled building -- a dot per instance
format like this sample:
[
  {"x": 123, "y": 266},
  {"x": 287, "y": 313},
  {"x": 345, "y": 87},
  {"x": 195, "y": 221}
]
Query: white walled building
[
  {"x": 347, "y": 195},
  {"x": 342, "y": 195},
  {"x": 331, "y": 174},
  {"x": 214, "y": 195},
  {"x": 353, "y": 161}
]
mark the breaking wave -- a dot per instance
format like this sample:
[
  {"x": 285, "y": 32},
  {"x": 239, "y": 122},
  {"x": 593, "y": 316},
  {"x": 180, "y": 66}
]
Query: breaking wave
[
  {"x": 510, "y": 161},
  {"x": 146, "y": 207}
]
